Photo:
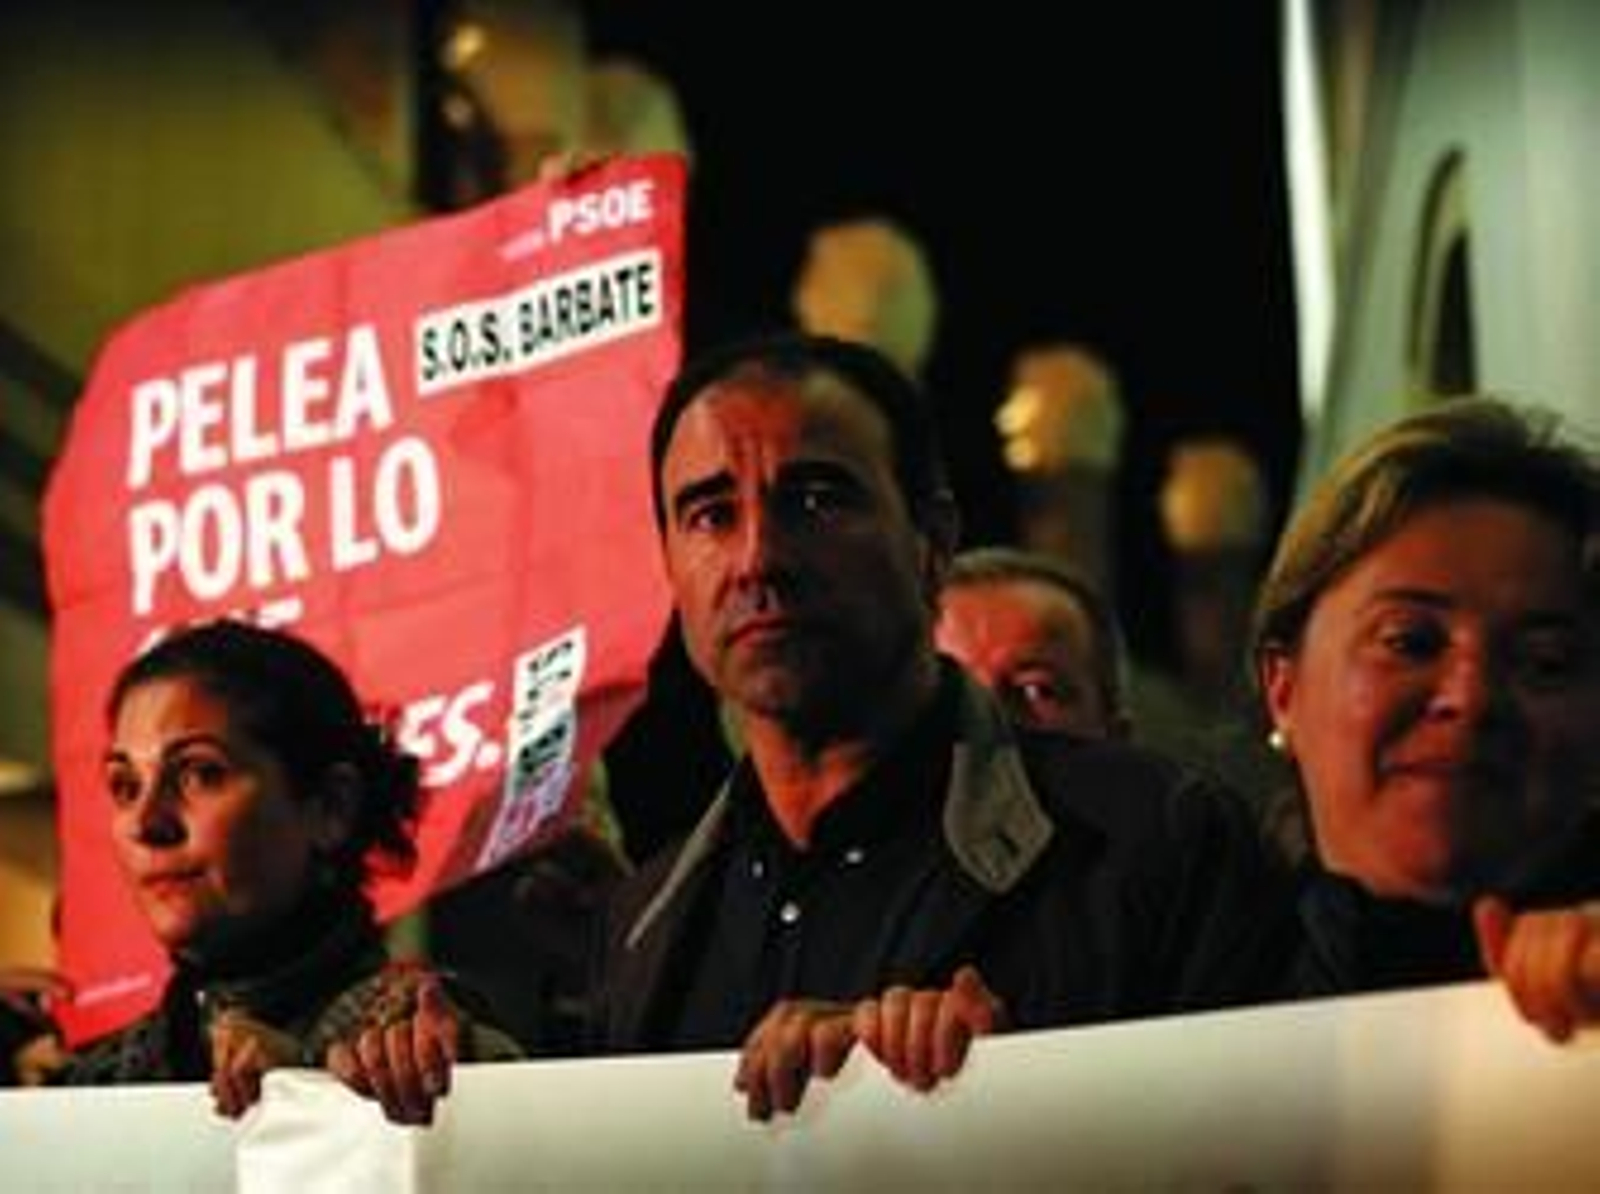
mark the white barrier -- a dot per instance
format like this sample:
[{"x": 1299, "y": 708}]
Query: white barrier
[
  {"x": 1443, "y": 1090},
  {"x": 114, "y": 1138}
]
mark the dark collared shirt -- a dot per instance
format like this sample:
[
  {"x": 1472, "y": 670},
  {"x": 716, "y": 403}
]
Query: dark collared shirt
[{"x": 828, "y": 921}]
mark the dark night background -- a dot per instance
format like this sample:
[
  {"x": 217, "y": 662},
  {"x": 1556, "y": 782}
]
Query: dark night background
[{"x": 1106, "y": 175}]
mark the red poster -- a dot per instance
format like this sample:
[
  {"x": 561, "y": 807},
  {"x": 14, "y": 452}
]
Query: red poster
[{"x": 428, "y": 453}]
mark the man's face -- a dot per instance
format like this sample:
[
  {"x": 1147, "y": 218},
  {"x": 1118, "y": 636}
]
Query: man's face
[
  {"x": 804, "y": 588},
  {"x": 1032, "y": 645}
]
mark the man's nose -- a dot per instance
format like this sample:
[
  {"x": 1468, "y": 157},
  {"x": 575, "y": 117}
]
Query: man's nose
[{"x": 762, "y": 536}]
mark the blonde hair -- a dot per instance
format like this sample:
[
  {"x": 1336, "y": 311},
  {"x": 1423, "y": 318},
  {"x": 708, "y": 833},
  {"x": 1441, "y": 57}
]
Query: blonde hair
[{"x": 1465, "y": 446}]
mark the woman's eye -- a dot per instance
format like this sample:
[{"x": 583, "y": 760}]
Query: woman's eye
[
  {"x": 123, "y": 787},
  {"x": 199, "y": 774},
  {"x": 1411, "y": 641},
  {"x": 1549, "y": 664}
]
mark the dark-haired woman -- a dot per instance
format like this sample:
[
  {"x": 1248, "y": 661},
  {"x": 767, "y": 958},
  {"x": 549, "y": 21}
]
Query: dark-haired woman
[{"x": 251, "y": 804}]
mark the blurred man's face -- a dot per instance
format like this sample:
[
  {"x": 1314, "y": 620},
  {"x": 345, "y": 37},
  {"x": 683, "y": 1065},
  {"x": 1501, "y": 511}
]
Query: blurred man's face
[{"x": 1032, "y": 645}]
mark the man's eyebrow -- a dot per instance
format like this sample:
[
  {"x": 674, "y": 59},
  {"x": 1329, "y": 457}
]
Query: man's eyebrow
[
  {"x": 817, "y": 470},
  {"x": 794, "y": 473},
  {"x": 696, "y": 491}
]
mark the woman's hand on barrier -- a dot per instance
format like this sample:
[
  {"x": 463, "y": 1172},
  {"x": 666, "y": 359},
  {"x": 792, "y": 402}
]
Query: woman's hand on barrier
[
  {"x": 242, "y": 1050},
  {"x": 1548, "y": 961},
  {"x": 404, "y": 1063}
]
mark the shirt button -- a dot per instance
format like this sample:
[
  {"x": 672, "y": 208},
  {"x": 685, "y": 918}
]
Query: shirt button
[
  {"x": 789, "y": 913},
  {"x": 854, "y": 856},
  {"x": 757, "y": 869}
]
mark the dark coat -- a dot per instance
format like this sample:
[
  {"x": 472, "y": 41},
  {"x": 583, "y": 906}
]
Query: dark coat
[{"x": 1086, "y": 882}]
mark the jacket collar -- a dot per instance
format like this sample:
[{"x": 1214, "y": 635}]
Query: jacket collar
[{"x": 994, "y": 824}]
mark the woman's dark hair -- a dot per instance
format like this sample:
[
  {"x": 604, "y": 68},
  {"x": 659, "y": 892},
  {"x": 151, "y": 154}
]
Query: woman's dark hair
[
  {"x": 793, "y": 357},
  {"x": 297, "y": 704}
]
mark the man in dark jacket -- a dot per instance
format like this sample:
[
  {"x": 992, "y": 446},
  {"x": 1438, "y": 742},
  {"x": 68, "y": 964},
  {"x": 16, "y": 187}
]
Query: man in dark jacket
[{"x": 885, "y": 826}]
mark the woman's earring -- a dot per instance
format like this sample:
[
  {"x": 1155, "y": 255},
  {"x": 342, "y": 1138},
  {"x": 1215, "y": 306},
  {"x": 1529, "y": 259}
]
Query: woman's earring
[{"x": 1278, "y": 740}]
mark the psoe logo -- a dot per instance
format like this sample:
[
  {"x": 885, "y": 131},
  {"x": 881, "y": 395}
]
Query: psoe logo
[{"x": 602, "y": 210}]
